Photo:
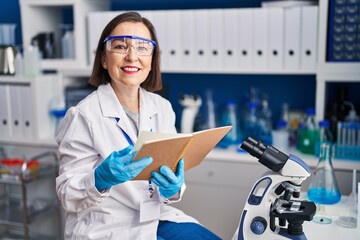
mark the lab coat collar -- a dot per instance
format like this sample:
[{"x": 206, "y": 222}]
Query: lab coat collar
[{"x": 111, "y": 107}]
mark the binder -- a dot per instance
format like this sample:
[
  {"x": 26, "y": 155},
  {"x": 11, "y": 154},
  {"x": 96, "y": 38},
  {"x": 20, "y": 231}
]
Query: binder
[
  {"x": 202, "y": 38},
  {"x": 230, "y": 49},
  {"x": 16, "y": 111},
  {"x": 276, "y": 38},
  {"x": 260, "y": 38},
  {"x": 149, "y": 15},
  {"x": 95, "y": 28},
  {"x": 5, "y": 112},
  {"x": 168, "y": 149},
  {"x": 292, "y": 37},
  {"x": 159, "y": 22},
  {"x": 27, "y": 124},
  {"x": 309, "y": 38},
  {"x": 187, "y": 39},
  {"x": 216, "y": 38},
  {"x": 246, "y": 38},
  {"x": 173, "y": 37}
]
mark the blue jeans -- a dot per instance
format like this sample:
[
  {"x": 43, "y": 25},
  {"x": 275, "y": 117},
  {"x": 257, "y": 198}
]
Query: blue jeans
[{"x": 180, "y": 231}]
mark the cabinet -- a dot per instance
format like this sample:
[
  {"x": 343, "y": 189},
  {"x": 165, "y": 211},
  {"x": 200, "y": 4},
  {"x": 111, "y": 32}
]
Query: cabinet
[
  {"x": 328, "y": 72},
  {"x": 24, "y": 213},
  {"x": 38, "y": 16}
]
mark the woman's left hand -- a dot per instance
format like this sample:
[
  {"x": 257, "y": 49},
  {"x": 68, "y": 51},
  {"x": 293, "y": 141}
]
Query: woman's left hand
[{"x": 169, "y": 183}]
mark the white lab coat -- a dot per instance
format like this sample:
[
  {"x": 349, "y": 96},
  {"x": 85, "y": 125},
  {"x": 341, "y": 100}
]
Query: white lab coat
[{"x": 88, "y": 134}]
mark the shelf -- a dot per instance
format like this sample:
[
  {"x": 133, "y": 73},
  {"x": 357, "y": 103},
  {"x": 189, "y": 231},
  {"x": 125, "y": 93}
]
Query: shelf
[
  {"x": 45, "y": 171},
  {"x": 39, "y": 16},
  {"x": 243, "y": 71},
  {"x": 233, "y": 156},
  {"x": 30, "y": 142},
  {"x": 86, "y": 72},
  {"x": 12, "y": 215},
  {"x": 33, "y": 236}
]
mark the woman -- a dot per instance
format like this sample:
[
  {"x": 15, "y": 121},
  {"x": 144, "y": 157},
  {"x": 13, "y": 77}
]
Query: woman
[{"x": 96, "y": 138}]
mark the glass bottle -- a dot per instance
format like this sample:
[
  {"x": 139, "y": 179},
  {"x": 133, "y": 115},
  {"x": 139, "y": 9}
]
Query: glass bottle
[
  {"x": 229, "y": 117},
  {"x": 325, "y": 136},
  {"x": 323, "y": 188},
  {"x": 251, "y": 121},
  {"x": 280, "y": 136},
  {"x": 265, "y": 121},
  {"x": 308, "y": 132}
]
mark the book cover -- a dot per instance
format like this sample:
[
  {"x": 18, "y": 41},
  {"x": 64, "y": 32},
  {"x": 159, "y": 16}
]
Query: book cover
[{"x": 168, "y": 149}]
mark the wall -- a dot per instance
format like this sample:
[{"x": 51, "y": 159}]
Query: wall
[{"x": 280, "y": 88}]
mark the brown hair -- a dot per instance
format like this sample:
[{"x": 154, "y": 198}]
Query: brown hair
[{"x": 101, "y": 76}]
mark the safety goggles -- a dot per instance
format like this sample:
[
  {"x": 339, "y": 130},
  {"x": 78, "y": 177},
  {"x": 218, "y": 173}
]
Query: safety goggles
[{"x": 122, "y": 44}]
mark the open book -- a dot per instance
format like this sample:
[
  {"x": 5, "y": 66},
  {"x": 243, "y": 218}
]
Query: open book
[{"x": 168, "y": 149}]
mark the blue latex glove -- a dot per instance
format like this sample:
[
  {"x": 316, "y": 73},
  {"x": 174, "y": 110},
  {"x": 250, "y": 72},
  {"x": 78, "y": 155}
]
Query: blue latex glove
[
  {"x": 119, "y": 167},
  {"x": 168, "y": 182}
]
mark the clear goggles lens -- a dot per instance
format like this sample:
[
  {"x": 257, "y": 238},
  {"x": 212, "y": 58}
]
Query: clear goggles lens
[{"x": 122, "y": 44}]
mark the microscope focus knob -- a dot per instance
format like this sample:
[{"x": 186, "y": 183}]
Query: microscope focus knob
[{"x": 258, "y": 225}]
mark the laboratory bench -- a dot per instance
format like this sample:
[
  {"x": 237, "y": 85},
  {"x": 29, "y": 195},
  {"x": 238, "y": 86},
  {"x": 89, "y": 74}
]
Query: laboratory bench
[
  {"x": 330, "y": 230},
  {"x": 217, "y": 189}
]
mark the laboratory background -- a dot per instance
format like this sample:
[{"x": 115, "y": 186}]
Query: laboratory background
[{"x": 285, "y": 72}]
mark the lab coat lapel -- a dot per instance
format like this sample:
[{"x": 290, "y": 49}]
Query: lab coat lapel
[
  {"x": 148, "y": 110},
  {"x": 111, "y": 107}
]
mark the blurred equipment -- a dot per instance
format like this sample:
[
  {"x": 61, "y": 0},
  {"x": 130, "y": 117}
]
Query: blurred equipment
[
  {"x": 45, "y": 42},
  {"x": 308, "y": 132},
  {"x": 191, "y": 104},
  {"x": 7, "y": 49},
  {"x": 229, "y": 117},
  {"x": 348, "y": 218},
  {"x": 323, "y": 188},
  {"x": 7, "y": 59},
  {"x": 269, "y": 206}
]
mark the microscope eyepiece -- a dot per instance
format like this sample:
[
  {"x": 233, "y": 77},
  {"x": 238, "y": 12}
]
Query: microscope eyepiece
[
  {"x": 267, "y": 155},
  {"x": 255, "y": 148}
]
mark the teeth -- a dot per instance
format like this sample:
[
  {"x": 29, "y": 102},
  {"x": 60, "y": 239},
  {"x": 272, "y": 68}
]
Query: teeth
[{"x": 131, "y": 69}]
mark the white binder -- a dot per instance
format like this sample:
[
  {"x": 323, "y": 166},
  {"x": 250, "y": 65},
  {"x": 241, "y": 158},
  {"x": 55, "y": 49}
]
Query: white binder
[
  {"x": 202, "y": 54},
  {"x": 260, "y": 38},
  {"x": 230, "y": 49},
  {"x": 27, "y": 123},
  {"x": 5, "y": 112},
  {"x": 159, "y": 22},
  {"x": 276, "y": 38},
  {"x": 309, "y": 30},
  {"x": 173, "y": 38},
  {"x": 148, "y": 14},
  {"x": 16, "y": 111},
  {"x": 187, "y": 39},
  {"x": 246, "y": 38},
  {"x": 216, "y": 39},
  {"x": 292, "y": 37},
  {"x": 95, "y": 28}
]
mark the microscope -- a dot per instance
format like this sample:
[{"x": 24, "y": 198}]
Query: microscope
[{"x": 269, "y": 212}]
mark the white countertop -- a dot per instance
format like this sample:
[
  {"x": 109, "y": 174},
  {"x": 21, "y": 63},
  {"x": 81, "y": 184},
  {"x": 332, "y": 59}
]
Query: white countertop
[
  {"x": 330, "y": 231},
  {"x": 232, "y": 155}
]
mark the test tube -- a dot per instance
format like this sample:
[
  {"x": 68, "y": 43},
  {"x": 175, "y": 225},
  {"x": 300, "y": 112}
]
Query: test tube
[
  {"x": 358, "y": 134},
  {"x": 352, "y": 134},
  {"x": 343, "y": 133},
  {"x": 339, "y": 133}
]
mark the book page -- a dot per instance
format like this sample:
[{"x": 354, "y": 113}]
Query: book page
[
  {"x": 164, "y": 152},
  {"x": 168, "y": 151},
  {"x": 145, "y": 136},
  {"x": 202, "y": 143}
]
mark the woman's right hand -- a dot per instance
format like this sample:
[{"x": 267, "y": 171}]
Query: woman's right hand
[{"x": 119, "y": 167}]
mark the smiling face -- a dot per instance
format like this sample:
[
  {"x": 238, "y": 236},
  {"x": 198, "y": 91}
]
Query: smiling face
[{"x": 128, "y": 69}]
